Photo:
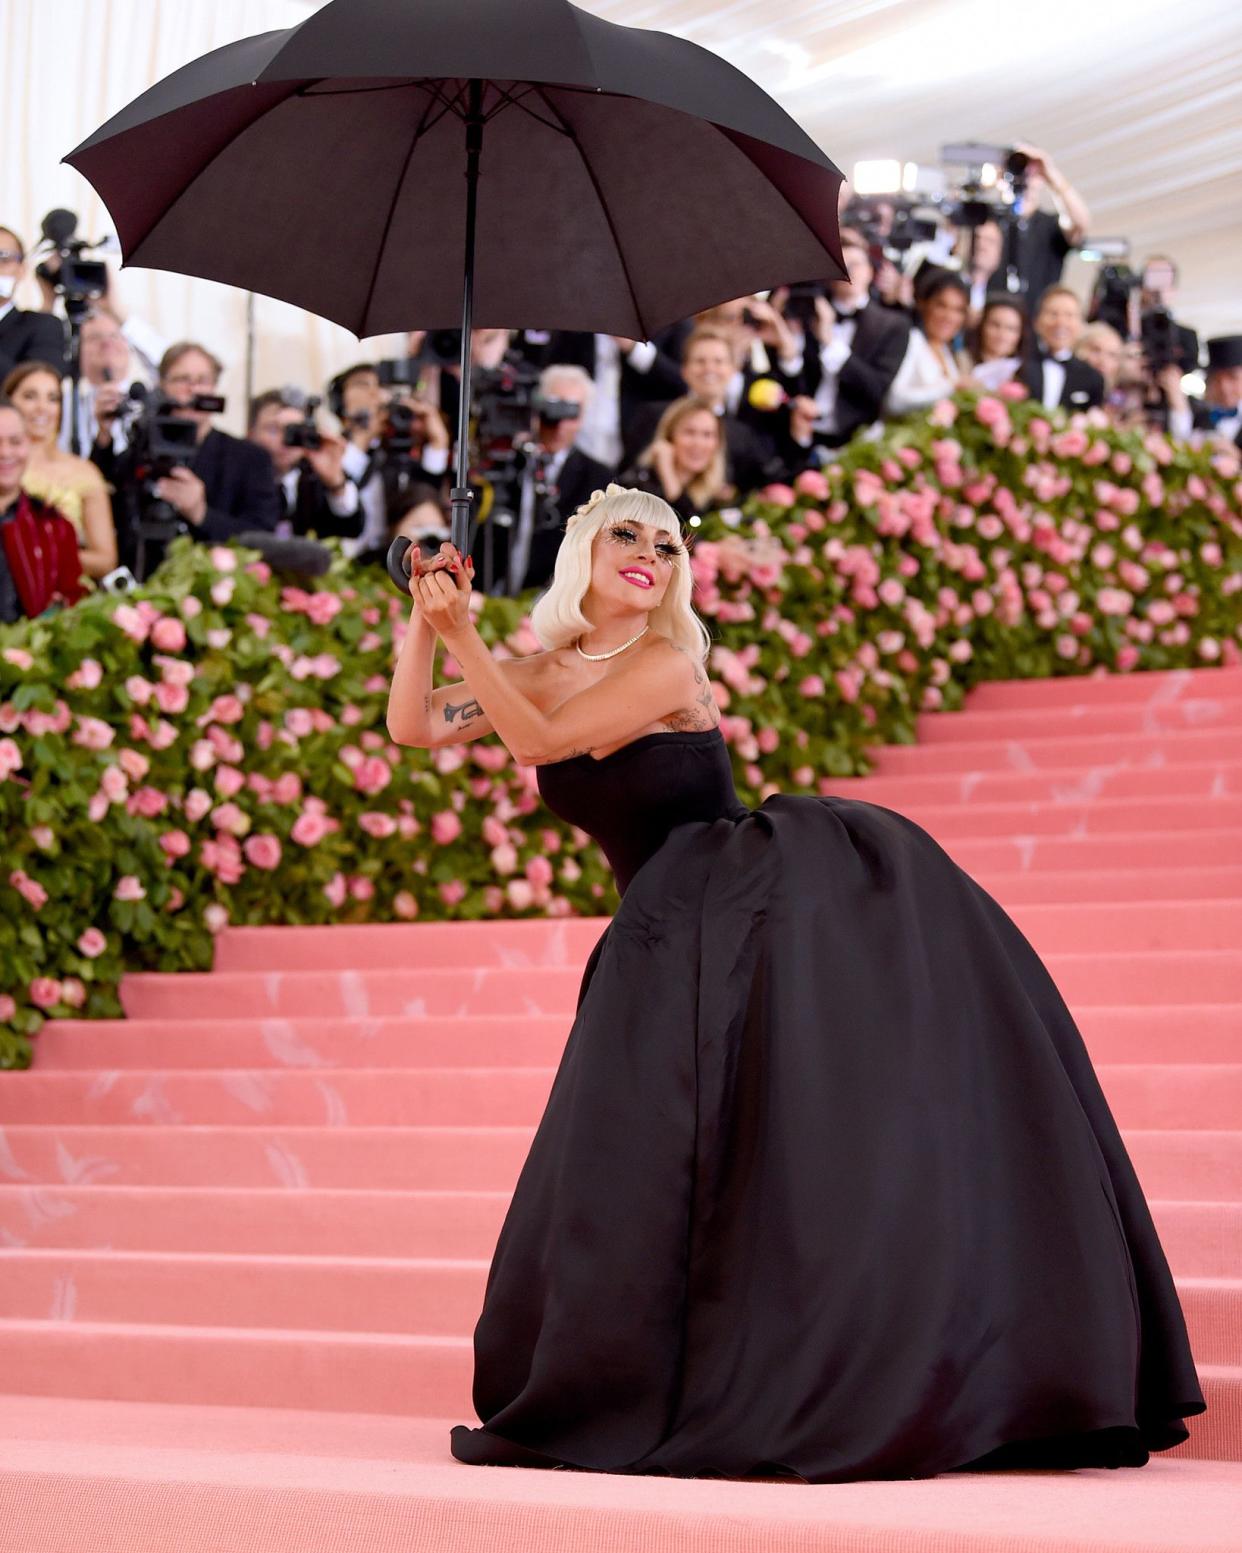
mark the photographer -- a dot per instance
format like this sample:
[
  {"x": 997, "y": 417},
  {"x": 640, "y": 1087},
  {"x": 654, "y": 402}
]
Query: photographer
[
  {"x": 216, "y": 486},
  {"x": 1054, "y": 376},
  {"x": 1037, "y": 241},
  {"x": 395, "y": 439},
  {"x": 24, "y": 336},
  {"x": 981, "y": 249},
  {"x": 556, "y": 476},
  {"x": 316, "y": 495},
  {"x": 857, "y": 345},
  {"x": 39, "y": 562},
  {"x": 627, "y": 374}
]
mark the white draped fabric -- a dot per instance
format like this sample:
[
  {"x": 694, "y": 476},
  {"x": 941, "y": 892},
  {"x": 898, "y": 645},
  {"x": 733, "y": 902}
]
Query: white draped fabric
[{"x": 1138, "y": 101}]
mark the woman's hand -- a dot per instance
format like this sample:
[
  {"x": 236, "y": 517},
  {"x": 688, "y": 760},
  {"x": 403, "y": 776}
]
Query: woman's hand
[
  {"x": 664, "y": 462},
  {"x": 440, "y": 587}
]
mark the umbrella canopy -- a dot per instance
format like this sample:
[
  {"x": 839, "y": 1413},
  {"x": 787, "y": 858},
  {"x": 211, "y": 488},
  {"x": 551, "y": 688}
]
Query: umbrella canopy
[{"x": 626, "y": 178}]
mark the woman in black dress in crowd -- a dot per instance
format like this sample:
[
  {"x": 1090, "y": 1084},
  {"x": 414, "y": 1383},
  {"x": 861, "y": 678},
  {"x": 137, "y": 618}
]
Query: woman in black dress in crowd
[
  {"x": 825, "y": 1185},
  {"x": 684, "y": 463}
]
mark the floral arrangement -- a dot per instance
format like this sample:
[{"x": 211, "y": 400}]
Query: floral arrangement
[{"x": 212, "y": 749}]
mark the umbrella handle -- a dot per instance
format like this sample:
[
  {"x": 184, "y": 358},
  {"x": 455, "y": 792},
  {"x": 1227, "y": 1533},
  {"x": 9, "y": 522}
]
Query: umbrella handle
[{"x": 397, "y": 569}]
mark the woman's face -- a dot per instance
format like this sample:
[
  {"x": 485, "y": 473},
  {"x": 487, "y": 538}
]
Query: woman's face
[
  {"x": 644, "y": 552},
  {"x": 695, "y": 441},
  {"x": 943, "y": 315},
  {"x": 1000, "y": 334},
  {"x": 37, "y": 400}
]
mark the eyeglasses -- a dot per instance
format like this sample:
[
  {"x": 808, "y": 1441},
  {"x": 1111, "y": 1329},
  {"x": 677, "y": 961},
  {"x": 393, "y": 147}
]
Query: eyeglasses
[
  {"x": 11, "y": 256},
  {"x": 180, "y": 380}
]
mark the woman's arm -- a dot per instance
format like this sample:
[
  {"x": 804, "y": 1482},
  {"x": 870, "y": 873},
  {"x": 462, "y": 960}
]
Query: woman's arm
[
  {"x": 652, "y": 685},
  {"x": 426, "y": 718},
  {"x": 98, "y": 550}
]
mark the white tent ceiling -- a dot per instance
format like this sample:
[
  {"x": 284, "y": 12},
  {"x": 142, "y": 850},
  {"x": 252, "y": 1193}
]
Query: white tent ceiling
[{"x": 1139, "y": 101}]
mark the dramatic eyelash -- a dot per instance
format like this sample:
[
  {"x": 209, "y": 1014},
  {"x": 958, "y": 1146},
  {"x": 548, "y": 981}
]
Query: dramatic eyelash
[{"x": 670, "y": 547}]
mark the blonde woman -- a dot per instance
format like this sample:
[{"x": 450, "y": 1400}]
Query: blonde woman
[
  {"x": 685, "y": 460},
  {"x": 825, "y": 1185},
  {"x": 72, "y": 485}
]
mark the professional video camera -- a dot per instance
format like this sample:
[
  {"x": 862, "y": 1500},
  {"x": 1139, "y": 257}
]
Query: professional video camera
[
  {"x": 161, "y": 439},
  {"x": 304, "y": 433},
  {"x": 79, "y": 281}
]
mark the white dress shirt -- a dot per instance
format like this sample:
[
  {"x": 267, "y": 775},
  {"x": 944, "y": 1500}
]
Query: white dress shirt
[
  {"x": 372, "y": 495},
  {"x": 1054, "y": 379},
  {"x": 600, "y": 432}
]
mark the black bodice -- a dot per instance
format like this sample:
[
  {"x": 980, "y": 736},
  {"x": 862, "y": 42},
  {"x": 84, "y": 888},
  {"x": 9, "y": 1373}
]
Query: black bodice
[{"x": 630, "y": 800}]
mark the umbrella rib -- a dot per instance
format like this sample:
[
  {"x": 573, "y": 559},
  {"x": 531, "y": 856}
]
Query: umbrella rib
[
  {"x": 419, "y": 131},
  {"x": 599, "y": 195}
]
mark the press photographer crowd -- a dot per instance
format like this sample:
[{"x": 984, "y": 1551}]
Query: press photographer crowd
[{"x": 109, "y": 445}]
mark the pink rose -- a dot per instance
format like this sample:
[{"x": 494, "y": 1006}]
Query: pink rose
[
  {"x": 337, "y": 890},
  {"x": 263, "y": 851},
  {"x": 227, "y": 709},
  {"x": 92, "y": 943},
  {"x": 168, "y": 635},
  {"x": 377, "y": 825},
  {"x": 812, "y": 483},
  {"x": 93, "y": 733},
  {"x": 372, "y": 775},
  {"x": 129, "y": 888},
  {"x": 287, "y": 788},
  {"x": 308, "y": 830},
  {"x": 323, "y": 608},
  {"x": 10, "y": 758},
  {"x": 504, "y": 857},
  {"x": 521, "y": 894},
  {"x": 197, "y": 803},
  {"x": 44, "y": 992},
  {"x": 171, "y": 699},
  {"x": 87, "y": 676},
  {"x": 29, "y": 889},
  {"x": 190, "y": 607},
  {"x": 778, "y": 495},
  {"x": 445, "y": 827},
  {"x": 539, "y": 871},
  {"x": 175, "y": 843},
  {"x": 454, "y": 891},
  {"x": 8, "y": 1008},
  {"x": 113, "y": 784},
  {"x": 231, "y": 818},
  {"x": 215, "y": 917},
  {"x": 404, "y": 905},
  {"x": 811, "y": 685},
  {"x": 222, "y": 591},
  {"x": 229, "y": 781},
  {"x": 126, "y": 618},
  {"x": 148, "y": 801},
  {"x": 1127, "y": 657},
  {"x": 360, "y": 887}
]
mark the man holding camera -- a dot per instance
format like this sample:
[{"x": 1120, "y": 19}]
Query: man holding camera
[
  {"x": 394, "y": 438},
  {"x": 216, "y": 485},
  {"x": 858, "y": 345},
  {"x": 24, "y": 336},
  {"x": 317, "y": 496},
  {"x": 1038, "y": 241}
]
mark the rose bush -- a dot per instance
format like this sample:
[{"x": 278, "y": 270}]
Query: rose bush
[{"x": 212, "y": 749}]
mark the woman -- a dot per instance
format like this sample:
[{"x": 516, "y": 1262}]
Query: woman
[
  {"x": 1000, "y": 343},
  {"x": 825, "y": 1184},
  {"x": 1101, "y": 347},
  {"x": 685, "y": 462},
  {"x": 74, "y": 486},
  {"x": 930, "y": 370}
]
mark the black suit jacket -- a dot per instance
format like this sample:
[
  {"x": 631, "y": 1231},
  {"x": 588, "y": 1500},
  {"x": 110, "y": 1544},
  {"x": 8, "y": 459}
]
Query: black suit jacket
[
  {"x": 580, "y": 476},
  {"x": 30, "y": 337},
  {"x": 241, "y": 487},
  {"x": 658, "y": 385},
  {"x": 312, "y": 514},
  {"x": 1201, "y": 415},
  {"x": 881, "y": 335},
  {"x": 1083, "y": 388}
]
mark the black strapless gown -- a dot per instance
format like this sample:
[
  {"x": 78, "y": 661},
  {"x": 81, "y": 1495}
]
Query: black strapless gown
[{"x": 826, "y": 1184}]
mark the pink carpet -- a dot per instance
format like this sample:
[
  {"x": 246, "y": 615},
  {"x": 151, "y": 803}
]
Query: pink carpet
[{"x": 244, "y": 1231}]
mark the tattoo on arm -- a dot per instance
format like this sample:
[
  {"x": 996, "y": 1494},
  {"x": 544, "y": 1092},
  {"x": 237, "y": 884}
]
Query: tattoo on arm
[
  {"x": 469, "y": 711},
  {"x": 702, "y": 714},
  {"x": 427, "y": 705}
]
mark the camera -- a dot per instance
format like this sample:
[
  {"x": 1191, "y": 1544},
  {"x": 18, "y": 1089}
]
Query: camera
[
  {"x": 79, "y": 281},
  {"x": 305, "y": 433},
  {"x": 440, "y": 348}
]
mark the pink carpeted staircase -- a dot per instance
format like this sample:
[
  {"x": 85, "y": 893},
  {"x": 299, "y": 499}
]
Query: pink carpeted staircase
[{"x": 244, "y": 1232}]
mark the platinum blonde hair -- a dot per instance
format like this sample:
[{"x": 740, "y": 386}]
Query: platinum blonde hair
[
  {"x": 566, "y": 372},
  {"x": 557, "y": 618}
]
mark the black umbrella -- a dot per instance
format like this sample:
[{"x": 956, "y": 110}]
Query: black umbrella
[{"x": 391, "y": 164}]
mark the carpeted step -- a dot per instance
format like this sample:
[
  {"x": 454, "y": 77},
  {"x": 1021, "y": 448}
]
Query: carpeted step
[
  {"x": 988, "y": 724},
  {"x": 1069, "y": 784},
  {"x": 1143, "y": 849},
  {"x": 1073, "y": 886},
  {"x": 1041, "y": 749},
  {"x": 1180, "y": 976},
  {"x": 137, "y": 1477},
  {"x": 405, "y": 1294},
  {"x": 1155, "y": 686},
  {"x": 1091, "y": 816},
  {"x": 1192, "y": 1032},
  {"x": 1140, "y": 1094}
]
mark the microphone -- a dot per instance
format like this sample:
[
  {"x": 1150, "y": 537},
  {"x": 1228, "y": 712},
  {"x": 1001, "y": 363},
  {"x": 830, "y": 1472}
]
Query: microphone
[{"x": 766, "y": 394}]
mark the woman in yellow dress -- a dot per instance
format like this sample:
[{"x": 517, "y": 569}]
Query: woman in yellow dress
[{"x": 74, "y": 486}]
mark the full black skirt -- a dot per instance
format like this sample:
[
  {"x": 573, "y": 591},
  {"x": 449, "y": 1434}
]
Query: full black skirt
[{"x": 826, "y": 1185}]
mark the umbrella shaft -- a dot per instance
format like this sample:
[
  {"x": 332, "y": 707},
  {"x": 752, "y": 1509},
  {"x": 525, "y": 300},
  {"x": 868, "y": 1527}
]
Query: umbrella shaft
[{"x": 461, "y": 497}]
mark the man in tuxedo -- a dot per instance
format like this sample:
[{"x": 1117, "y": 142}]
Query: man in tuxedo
[
  {"x": 1219, "y": 412},
  {"x": 854, "y": 350},
  {"x": 557, "y": 478},
  {"x": 1054, "y": 376},
  {"x": 24, "y": 336},
  {"x": 628, "y": 376},
  {"x": 316, "y": 494},
  {"x": 708, "y": 368}
]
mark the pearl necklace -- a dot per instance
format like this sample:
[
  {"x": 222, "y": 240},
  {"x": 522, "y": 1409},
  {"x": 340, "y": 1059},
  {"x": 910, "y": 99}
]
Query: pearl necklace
[{"x": 595, "y": 657}]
